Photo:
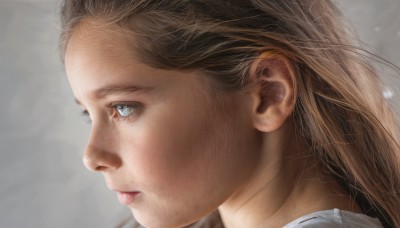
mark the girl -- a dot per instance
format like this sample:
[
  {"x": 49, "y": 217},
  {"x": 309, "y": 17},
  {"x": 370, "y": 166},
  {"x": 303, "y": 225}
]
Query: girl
[{"x": 264, "y": 110}]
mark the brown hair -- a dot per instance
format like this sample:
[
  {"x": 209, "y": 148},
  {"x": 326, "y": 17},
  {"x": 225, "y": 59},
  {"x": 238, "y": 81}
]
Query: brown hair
[{"x": 340, "y": 109}]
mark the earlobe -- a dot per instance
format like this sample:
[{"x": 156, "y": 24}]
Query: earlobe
[{"x": 273, "y": 91}]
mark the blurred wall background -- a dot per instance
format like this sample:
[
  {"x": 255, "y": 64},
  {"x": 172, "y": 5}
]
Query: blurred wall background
[{"x": 43, "y": 181}]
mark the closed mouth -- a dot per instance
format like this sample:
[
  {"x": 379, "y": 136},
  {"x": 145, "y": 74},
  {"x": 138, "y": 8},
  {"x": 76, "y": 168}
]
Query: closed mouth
[{"x": 127, "y": 198}]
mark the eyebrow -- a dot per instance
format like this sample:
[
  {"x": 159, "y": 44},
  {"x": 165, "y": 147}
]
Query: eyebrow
[{"x": 108, "y": 90}]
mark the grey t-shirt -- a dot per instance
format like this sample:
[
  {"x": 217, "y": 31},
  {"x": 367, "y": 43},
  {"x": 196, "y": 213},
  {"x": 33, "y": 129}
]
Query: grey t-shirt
[{"x": 335, "y": 219}]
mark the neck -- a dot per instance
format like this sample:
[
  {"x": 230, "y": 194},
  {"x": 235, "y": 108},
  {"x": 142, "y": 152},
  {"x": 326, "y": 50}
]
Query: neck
[{"x": 287, "y": 184}]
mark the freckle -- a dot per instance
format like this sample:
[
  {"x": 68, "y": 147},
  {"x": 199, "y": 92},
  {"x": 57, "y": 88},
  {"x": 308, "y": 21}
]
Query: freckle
[{"x": 377, "y": 29}]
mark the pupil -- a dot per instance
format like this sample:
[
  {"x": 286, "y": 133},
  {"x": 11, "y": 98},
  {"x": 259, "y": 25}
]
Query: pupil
[{"x": 124, "y": 110}]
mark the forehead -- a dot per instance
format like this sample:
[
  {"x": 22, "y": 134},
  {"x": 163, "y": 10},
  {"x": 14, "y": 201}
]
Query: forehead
[
  {"x": 96, "y": 36},
  {"x": 98, "y": 55},
  {"x": 94, "y": 45}
]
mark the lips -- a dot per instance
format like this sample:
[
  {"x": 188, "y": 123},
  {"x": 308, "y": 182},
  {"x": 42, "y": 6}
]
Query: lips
[{"x": 127, "y": 198}]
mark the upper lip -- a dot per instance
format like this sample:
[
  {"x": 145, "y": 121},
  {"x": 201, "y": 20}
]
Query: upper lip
[
  {"x": 127, "y": 191},
  {"x": 120, "y": 189}
]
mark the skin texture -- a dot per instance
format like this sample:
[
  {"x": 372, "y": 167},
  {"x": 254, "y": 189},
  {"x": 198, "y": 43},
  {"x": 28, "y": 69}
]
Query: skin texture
[{"x": 186, "y": 153}]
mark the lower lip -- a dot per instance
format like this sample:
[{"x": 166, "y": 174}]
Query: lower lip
[{"x": 127, "y": 198}]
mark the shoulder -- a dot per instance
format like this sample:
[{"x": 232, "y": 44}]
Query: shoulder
[{"x": 335, "y": 219}]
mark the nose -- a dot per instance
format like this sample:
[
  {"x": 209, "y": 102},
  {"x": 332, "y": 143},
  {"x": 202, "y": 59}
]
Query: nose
[{"x": 100, "y": 154}]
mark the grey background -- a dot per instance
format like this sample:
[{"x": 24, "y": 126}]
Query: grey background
[{"x": 43, "y": 181}]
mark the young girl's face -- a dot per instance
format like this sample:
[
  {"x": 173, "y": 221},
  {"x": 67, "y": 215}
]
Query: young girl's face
[{"x": 157, "y": 135}]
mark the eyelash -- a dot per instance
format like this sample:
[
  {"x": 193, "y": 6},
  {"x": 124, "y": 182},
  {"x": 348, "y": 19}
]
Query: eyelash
[
  {"x": 86, "y": 116},
  {"x": 115, "y": 114}
]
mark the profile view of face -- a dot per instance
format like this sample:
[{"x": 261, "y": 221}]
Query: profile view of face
[{"x": 171, "y": 150}]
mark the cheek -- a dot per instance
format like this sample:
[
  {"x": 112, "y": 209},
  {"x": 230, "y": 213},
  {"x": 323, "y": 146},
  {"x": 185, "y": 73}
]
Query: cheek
[
  {"x": 183, "y": 150},
  {"x": 187, "y": 163},
  {"x": 172, "y": 150}
]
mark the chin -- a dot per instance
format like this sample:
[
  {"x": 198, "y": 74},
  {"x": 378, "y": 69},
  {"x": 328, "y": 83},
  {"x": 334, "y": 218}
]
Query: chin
[{"x": 153, "y": 221}]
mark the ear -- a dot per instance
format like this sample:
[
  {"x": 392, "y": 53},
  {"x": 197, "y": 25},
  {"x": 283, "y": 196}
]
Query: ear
[{"x": 273, "y": 92}]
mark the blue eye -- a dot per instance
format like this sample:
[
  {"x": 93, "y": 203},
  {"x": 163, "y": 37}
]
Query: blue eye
[
  {"x": 124, "y": 110},
  {"x": 120, "y": 111}
]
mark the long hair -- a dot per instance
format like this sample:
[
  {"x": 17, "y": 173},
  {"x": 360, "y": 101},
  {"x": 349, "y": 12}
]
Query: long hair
[{"x": 340, "y": 110}]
